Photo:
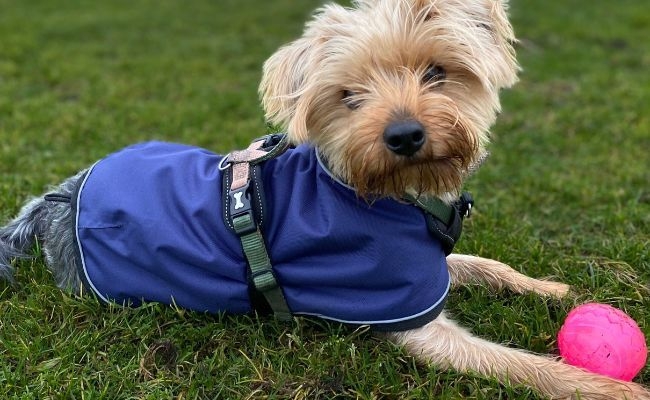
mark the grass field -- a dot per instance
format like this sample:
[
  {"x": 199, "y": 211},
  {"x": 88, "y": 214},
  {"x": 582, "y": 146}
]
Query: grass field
[{"x": 565, "y": 193}]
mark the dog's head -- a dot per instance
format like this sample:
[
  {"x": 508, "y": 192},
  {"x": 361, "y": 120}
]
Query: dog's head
[{"x": 397, "y": 95}]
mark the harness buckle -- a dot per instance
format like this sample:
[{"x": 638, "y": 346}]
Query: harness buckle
[
  {"x": 464, "y": 205},
  {"x": 264, "y": 279},
  {"x": 241, "y": 210},
  {"x": 244, "y": 224}
]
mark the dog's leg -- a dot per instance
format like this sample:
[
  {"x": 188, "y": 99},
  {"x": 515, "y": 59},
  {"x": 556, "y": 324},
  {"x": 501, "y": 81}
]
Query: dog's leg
[
  {"x": 444, "y": 344},
  {"x": 476, "y": 270}
]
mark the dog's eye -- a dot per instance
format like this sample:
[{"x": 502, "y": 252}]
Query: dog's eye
[
  {"x": 350, "y": 100},
  {"x": 433, "y": 74}
]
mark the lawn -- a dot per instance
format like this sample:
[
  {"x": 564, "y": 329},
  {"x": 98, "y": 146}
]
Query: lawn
[{"x": 565, "y": 193}]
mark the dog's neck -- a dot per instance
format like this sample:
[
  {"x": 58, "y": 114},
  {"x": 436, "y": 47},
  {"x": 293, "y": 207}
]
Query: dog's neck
[
  {"x": 448, "y": 198},
  {"x": 322, "y": 161}
]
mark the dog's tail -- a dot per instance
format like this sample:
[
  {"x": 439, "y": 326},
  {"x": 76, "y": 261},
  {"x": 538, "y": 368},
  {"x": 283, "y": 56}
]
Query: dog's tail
[{"x": 18, "y": 236}]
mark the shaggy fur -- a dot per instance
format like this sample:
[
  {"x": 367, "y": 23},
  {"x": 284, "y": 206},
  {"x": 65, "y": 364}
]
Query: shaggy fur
[
  {"x": 379, "y": 53},
  {"x": 355, "y": 75}
]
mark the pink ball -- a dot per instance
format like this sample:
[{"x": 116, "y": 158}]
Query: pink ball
[{"x": 604, "y": 340}]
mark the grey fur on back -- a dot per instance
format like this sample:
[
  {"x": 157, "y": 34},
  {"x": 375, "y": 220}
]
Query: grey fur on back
[{"x": 51, "y": 223}]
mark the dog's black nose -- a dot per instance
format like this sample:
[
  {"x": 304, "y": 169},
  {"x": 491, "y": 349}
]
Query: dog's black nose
[{"x": 404, "y": 137}]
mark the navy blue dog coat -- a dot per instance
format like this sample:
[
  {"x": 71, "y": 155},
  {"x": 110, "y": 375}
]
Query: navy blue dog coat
[{"x": 149, "y": 227}]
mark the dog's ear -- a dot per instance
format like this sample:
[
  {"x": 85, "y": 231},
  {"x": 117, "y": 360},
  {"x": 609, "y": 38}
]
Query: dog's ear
[
  {"x": 283, "y": 83},
  {"x": 288, "y": 85},
  {"x": 482, "y": 20},
  {"x": 504, "y": 71}
]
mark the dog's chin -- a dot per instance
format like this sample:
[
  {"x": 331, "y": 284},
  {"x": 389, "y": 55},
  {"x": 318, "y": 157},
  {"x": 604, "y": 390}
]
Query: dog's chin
[{"x": 394, "y": 179}]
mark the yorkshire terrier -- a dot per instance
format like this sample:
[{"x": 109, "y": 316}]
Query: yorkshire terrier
[{"x": 388, "y": 106}]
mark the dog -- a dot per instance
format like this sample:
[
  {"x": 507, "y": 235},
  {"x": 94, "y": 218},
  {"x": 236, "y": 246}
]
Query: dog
[{"x": 388, "y": 103}]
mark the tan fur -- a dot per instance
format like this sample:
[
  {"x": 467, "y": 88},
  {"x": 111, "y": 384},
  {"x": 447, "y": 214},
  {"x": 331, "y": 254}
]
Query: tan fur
[
  {"x": 377, "y": 53},
  {"x": 380, "y": 50}
]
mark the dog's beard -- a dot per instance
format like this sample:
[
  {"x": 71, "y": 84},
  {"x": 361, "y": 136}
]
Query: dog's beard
[
  {"x": 393, "y": 176},
  {"x": 395, "y": 179}
]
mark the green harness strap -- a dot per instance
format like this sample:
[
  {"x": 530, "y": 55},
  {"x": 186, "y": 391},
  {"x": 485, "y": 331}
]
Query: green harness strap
[
  {"x": 261, "y": 268},
  {"x": 241, "y": 218},
  {"x": 445, "y": 221},
  {"x": 434, "y": 206}
]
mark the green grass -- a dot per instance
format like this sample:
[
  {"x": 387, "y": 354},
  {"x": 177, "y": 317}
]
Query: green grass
[{"x": 566, "y": 193}]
